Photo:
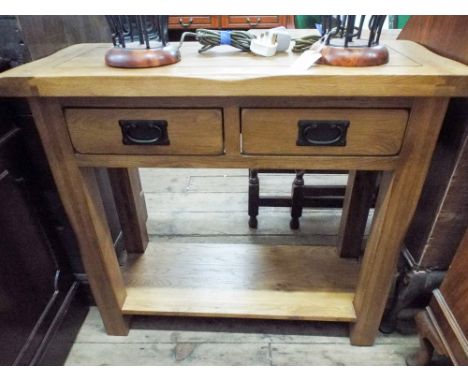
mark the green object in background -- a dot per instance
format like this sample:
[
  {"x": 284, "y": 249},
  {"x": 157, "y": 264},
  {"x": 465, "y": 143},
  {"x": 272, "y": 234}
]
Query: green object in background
[
  {"x": 306, "y": 22},
  {"x": 397, "y": 21},
  {"x": 401, "y": 21}
]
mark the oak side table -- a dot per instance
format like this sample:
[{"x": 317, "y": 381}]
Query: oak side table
[{"x": 225, "y": 109}]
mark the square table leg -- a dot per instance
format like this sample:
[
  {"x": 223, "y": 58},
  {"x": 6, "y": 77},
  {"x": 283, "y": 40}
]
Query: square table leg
[
  {"x": 358, "y": 200},
  {"x": 396, "y": 203},
  {"x": 131, "y": 207},
  {"x": 82, "y": 201}
]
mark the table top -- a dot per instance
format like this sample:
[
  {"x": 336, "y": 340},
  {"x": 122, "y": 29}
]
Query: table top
[{"x": 80, "y": 71}]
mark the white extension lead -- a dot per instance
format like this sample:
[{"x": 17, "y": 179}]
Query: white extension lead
[{"x": 271, "y": 41}]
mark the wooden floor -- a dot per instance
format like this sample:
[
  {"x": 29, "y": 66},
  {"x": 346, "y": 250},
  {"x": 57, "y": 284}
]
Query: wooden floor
[{"x": 208, "y": 207}]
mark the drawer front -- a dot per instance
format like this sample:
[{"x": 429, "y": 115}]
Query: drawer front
[
  {"x": 146, "y": 131},
  {"x": 323, "y": 131},
  {"x": 253, "y": 21},
  {"x": 193, "y": 22}
]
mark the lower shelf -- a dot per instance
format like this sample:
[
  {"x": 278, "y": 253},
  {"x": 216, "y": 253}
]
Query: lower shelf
[{"x": 241, "y": 280}]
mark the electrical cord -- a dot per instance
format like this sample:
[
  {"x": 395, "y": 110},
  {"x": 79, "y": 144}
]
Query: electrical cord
[
  {"x": 239, "y": 39},
  {"x": 304, "y": 43},
  {"x": 211, "y": 38}
]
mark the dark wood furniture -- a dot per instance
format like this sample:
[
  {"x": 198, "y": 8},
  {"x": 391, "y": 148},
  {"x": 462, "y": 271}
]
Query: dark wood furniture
[
  {"x": 302, "y": 196},
  {"x": 445, "y": 35},
  {"x": 26, "y": 38},
  {"x": 37, "y": 285},
  {"x": 443, "y": 325},
  {"x": 43, "y": 286},
  {"x": 181, "y": 23},
  {"x": 442, "y": 214},
  {"x": 441, "y": 217},
  {"x": 230, "y": 22}
]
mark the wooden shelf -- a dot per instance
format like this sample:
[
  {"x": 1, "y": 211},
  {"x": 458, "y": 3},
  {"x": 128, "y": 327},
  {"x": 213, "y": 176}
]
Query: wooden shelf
[{"x": 248, "y": 281}]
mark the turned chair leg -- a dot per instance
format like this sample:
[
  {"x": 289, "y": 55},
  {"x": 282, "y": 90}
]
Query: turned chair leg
[
  {"x": 254, "y": 198},
  {"x": 297, "y": 202}
]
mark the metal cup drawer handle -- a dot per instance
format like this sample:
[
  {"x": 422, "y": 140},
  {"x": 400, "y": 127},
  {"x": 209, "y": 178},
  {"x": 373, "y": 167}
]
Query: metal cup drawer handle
[
  {"x": 322, "y": 133},
  {"x": 144, "y": 132}
]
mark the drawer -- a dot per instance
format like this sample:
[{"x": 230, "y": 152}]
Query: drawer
[
  {"x": 146, "y": 131},
  {"x": 323, "y": 131},
  {"x": 193, "y": 22},
  {"x": 253, "y": 21}
]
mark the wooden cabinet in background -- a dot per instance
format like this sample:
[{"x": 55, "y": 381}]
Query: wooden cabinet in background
[
  {"x": 442, "y": 214},
  {"x": 194, "y": 22},
  {"x": 443, "y": 325},
  {"x": 37, "y": 285},
  {"x": 248, "y": 22},
  {"x": 41, "y": 307},
  {"x": 230, "y": 22}
]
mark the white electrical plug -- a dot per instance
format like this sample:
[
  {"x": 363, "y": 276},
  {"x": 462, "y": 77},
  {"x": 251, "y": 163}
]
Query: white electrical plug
[
  {"x": 264, "y": 45},
  {"x": 283, "y": 38},
  {"x": 271, "y": 41}
]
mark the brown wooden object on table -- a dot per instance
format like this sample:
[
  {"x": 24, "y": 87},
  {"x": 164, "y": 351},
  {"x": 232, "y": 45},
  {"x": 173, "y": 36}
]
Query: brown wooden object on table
[
  {"x": 443, "y": 325},
  {"x": 141, "y": 58},
  {"x": 354, "y": 57},
  {"x": 140, "y": 42},
  {"x": 413, "y": 96},
  {"x": 346, "y": 44}
]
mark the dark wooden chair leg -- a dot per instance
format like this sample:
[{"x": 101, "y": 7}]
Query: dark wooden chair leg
[
  {"x": 297, "y": 202},
  {"x": 302, "y": 196},
  {"x": 254, "y": 198},
  {"x": 359, "y": 198},
  {"x": 131, "y": 207}
]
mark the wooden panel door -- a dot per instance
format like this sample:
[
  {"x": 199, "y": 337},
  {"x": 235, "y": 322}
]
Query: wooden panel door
[
  {"x": 194, "y": 22},
  {"x": 259, "y": 22}
]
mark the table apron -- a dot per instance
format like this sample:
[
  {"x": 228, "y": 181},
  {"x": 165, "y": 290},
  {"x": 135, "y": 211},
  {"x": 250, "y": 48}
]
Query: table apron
[{"x": 378, "y": 163}]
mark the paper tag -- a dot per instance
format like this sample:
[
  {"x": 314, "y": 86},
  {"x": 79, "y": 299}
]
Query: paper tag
[{"x": 306, "y": 60}]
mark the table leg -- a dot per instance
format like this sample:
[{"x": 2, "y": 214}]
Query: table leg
[
  {"x": 131, "y": 207},
  {"x": 358, "y": 200},
  {"x": 81, "y": 198},
  {"x": 396, "y": 203}
]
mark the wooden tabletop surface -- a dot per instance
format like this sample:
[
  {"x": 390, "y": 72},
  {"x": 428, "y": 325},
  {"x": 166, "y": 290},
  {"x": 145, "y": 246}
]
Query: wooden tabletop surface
[{"x": 79, "y": 70}]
